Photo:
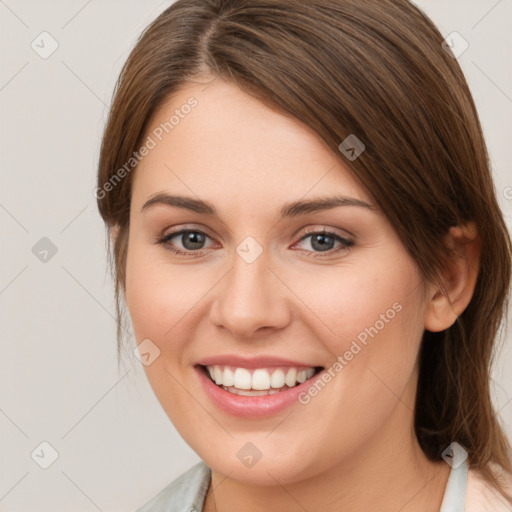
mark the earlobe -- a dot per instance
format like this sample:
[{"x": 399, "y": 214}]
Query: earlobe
[{"x": 448, "y": 299}]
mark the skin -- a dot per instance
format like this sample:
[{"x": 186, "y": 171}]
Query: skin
[{"x": 353, "y": 445}]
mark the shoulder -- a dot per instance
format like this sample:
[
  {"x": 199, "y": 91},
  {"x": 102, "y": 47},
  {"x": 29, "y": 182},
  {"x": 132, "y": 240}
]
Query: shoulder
[
  {"x": 482, "y": 497},
  {"x": 185, "y": 493}
]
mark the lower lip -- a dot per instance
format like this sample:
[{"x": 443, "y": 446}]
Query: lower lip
[{"x": 251, "y": 406}]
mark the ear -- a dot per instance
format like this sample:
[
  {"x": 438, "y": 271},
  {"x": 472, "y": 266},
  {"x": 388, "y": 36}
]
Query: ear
[{"x": 449, "y": 298}]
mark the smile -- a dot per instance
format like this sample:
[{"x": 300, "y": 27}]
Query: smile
[
  {"x": 258, "y": 381},
  {"x": 254, "y": 388}
]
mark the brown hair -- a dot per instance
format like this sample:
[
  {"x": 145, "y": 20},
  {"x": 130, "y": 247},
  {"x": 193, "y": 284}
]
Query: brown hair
[{"x": 376, "y": 69}]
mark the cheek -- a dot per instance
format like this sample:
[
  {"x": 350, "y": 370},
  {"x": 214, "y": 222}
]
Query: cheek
[
  {"x": 145, "y": 297},
  {"x": 371, "y": 320},
  {"x": 157, "y": 295},
  {"x": 355, "y": 300},
  {"x": 162, "y": 299}
]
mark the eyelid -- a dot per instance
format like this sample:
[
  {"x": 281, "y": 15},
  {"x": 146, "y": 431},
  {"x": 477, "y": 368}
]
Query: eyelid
[
  {"x": 186, "y": 227},
  {"x": 164, "y": 239},
  {"x": 307, "y": 231},
  {"x": 325, "y": 229},
  {"x": 346, "y": 243}
]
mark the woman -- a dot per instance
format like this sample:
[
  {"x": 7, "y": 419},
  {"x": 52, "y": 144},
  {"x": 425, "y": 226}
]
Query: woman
[{"x": 306, "y": 236}]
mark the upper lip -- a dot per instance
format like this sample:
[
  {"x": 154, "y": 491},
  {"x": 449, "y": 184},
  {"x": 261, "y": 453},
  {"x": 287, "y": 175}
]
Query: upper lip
[{"x": 252, "y": 362}]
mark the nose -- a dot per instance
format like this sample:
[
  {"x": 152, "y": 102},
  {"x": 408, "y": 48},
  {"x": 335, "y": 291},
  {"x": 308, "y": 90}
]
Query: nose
[{"x": 250, "y": 300}]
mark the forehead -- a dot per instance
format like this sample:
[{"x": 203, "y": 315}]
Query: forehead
[{"x": 218, "y": 142}]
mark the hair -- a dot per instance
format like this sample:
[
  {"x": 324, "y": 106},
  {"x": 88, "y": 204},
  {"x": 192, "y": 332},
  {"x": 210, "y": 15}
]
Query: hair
[{"x": 376, "y": 69}]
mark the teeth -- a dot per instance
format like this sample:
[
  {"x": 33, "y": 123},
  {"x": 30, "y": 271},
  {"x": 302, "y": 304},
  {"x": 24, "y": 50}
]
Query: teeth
[
  {"x": 217, "y": 375},
  {"x": 302, "y": 376},
  {"x": 277, "y": 379},
  {"x": 228, "y": 378},
  {"x": 242, "y": 379},
  {"x": 262, "y": 381},
  {"x": 251, "y": 393},
  {"x": 291, "y": 377}
]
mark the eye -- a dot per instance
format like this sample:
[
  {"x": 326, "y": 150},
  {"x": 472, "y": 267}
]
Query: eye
[
  {"x": 325, "y": 242},
  {"x": 192, "y": 240}
]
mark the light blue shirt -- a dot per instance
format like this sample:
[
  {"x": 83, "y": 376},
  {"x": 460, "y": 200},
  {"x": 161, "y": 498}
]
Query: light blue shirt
[{"x": 187, "y": 493}]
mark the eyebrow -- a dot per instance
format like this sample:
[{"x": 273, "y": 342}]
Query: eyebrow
[{"x": 293, "y": 209}]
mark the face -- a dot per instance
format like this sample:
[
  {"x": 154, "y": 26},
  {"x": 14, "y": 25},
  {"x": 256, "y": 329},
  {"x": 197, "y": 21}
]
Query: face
[{"x": 308, "y": 315}]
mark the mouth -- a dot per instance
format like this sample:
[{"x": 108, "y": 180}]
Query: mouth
[{"x": 254, "y": 382}]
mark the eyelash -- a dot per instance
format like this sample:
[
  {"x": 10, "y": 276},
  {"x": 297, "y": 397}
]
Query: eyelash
[{"x": 345, "y": 243}]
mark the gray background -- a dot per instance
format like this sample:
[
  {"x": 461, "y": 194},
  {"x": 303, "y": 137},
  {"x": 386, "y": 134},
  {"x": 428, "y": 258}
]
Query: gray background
[{"x": 59, "y": 379}]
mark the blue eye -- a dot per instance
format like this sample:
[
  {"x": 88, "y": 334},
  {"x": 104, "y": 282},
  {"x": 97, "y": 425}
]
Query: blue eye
[
  {"x": 324, "y": 242},
  {"x": 193, "y": 242}
]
